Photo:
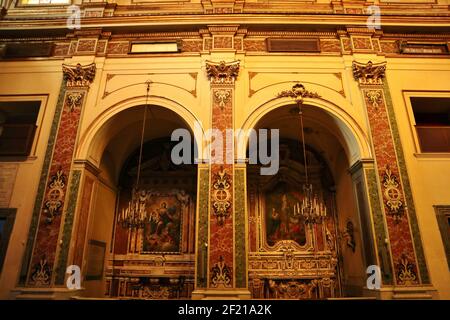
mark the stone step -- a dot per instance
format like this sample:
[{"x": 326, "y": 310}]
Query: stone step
[{"x": 412, "y": 296}]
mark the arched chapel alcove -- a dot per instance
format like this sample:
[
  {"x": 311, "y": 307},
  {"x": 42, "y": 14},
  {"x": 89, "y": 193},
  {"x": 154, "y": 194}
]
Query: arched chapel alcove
[
  {"x": 289, "y": 258},
  {"x": 154, "y": 260}
]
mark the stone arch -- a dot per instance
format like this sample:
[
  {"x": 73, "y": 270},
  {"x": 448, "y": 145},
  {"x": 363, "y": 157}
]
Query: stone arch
[
  {"x": 91, "y": 146},
  {"x": 354, "y": 139}
]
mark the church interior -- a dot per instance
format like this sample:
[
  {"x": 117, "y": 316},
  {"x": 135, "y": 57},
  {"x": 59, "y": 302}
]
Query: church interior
[{"x": 348, "y": 99}]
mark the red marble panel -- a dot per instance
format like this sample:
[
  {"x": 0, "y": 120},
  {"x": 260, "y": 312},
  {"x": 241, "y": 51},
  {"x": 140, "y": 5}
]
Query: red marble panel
[
  {"x": 86, "y": 45},
  {"x": 254, "y": 45},
  {"x": 389, "y": 46},
  {"x": 223, "y": 42},
  {"x": 221, "y": 234},
  {"x": 362, "y": 43},
  {"x": 119, "y": 47},
  {"x": 330, "y": 46},
  {"x": 46, "y": 242},
  {"x": 192, "y": 46},
  {"x": 405, "y": 265}
]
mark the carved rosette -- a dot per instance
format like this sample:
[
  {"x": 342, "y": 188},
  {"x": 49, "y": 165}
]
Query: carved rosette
[
  {"x": 298, "y": 93},
  {"x": 79, "y": 76},
  {"x": 222, "y": 72},
  {"x": 221, "y": 196},
  {"x": 55, "y": 196},
  {"x": 369, "y": 73},
  {"x": 392, "y": 194}
]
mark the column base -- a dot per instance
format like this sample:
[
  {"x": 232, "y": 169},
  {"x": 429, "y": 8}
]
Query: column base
[
  {"x": 403, "y": 293},
  {"x": 217, "y": 294},
  {"x": 24, "y": 293}
]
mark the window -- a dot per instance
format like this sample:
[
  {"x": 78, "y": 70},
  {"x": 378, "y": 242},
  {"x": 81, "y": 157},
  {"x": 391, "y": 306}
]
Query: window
[
  {"x": 432, "y": 118},
  {"x": 17, "y": 127}
]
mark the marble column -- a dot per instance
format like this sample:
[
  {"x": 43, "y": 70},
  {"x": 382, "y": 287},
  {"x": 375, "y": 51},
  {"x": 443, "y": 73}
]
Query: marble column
[
  {"x": 58, "y": 180},
  {"x": 221, "y": 257},
  {"x": 391, "y": 178}
]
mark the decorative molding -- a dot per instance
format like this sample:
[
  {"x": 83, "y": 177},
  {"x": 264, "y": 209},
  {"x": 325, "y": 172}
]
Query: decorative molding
[
  {"x": 40, "y": 196},
  {"x": 298, "y": 92},
  {"x": 369, "y": 73},
  {"x": 374, "y": 97},
  {"x": 221, "y": 196},
  {"x": 392, "y": 194},
  {"x": 79, "y": 76},
  {"x": 74, "y": 100},
  {"x": 222, "y": 97},
  {"x": 221, "y": 275},
  {"x": 41, "y": 275},
  {"x": 60, "y": 270},
  {"x": 222, "y": 72},
  {"x": 406, "y": 272},
  {"x": 293, "y": 289},
  {"x": 55, "y": 195},
  {"x": 349, "y": 235}
]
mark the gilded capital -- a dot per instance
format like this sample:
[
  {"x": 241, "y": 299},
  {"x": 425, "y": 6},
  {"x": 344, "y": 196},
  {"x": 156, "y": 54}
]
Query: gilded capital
[
  {"x": 222, "y": 72},
  {"x": 79, "y": 76},
  {"x": 369, "y": 73}
]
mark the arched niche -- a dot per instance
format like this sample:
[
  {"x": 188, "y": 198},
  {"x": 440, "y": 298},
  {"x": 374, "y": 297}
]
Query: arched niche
[
  {"x": 131, "y": 267},
  {"x": 334, "y": 142}
]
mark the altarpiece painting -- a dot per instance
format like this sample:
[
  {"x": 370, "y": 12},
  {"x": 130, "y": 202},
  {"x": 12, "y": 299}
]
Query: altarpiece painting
[
  {"x": 282, "y": 222},
  {"x": 288, "y": 257},
  {"x": 155, "y": 260}
]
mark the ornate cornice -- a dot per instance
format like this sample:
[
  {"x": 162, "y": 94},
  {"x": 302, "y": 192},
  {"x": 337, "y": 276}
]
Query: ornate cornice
[
  {"x": 79, "y": 76},
  {"x": 222, "y": 72},
  {"x": 369, "y": 73}
]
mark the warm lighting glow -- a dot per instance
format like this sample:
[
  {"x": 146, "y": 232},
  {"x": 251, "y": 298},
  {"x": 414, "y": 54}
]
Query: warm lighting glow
[
  {"x": 154, "y": 47},
  {"x": 312, "y": 209},
  {"x": 135, "y": 214},
  {"x": 45, "y": 2}
]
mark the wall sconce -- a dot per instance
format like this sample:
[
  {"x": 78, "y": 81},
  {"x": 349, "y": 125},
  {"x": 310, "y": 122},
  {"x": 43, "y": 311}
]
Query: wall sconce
[{"x": 349, "y": 235}]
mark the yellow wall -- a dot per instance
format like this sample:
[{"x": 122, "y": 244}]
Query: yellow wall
[{"x": 428, "y": 176}]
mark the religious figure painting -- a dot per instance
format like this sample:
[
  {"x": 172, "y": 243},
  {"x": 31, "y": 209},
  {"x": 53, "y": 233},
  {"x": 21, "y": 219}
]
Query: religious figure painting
[
  {"x": 162, "y": 233},
  {"x": 282, "y": 223}
]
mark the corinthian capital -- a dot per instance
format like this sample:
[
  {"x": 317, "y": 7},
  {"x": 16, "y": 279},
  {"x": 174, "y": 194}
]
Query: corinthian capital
[
  {"x": 79, "y": 76},
  {"x": 369, "y": 73},
  {"x": 222, "y": 72}
]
